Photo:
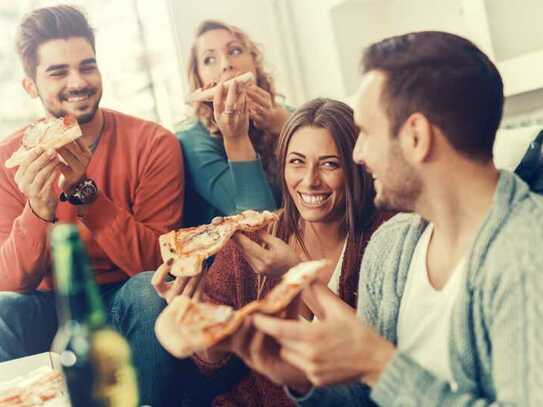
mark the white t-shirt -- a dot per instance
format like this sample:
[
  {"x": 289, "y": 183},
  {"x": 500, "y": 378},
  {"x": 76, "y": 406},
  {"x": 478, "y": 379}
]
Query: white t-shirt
[
  {"x": 425, "y": 313},
  {"x": 333, "y": 284}
]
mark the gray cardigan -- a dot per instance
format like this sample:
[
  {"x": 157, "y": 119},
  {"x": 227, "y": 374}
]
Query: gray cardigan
[{"x": 496, "y": 338}]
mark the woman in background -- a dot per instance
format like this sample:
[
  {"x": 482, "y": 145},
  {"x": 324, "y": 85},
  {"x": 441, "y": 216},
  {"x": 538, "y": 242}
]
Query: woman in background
[{"x": 229, "y": 148}]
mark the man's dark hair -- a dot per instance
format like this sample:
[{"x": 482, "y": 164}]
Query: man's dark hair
[
  {"x": 49, "y": 23},
  {"x": 446, "y": 78}
]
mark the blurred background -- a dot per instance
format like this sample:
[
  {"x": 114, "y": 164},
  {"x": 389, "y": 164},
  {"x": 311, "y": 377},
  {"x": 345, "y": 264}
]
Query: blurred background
[{"x": 311, "y": 47}]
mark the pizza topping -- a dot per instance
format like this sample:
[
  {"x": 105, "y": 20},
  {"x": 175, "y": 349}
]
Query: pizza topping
[{"x": 199, "y": 243}]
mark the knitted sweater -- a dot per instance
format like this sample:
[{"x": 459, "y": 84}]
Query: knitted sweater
[
  {"x": 497, "y": 324},
  {"x": 231, "y": 281},
  {"x": 138, "y": 168}
]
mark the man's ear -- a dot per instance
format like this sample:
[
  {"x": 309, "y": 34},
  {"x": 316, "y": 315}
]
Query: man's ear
[
  {"x": 417, "y": 138},
  {"x": 30, "y": 87}
]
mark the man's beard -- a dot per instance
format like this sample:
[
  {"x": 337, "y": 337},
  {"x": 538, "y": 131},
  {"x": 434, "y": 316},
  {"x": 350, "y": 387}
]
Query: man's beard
[
  {"x": 81, "y": 119},
  {"x": 403, "y": 192},
  {"x": 401, "y": 199}
]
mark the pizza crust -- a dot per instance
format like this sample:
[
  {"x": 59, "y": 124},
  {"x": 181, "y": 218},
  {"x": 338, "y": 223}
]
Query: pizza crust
[
  {"x": 200, "y": 95},
  {"x": 199, "y": 326}
]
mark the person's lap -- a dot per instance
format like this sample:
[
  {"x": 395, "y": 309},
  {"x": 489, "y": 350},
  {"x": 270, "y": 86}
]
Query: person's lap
[
  {"x": 180, "y": 377},
  {"x": 134, "y": 309}
]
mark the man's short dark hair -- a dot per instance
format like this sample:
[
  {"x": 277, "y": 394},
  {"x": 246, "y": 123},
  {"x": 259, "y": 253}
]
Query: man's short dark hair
[
  {"x": 49, "y": 23},
  {"x": 446, "y": 78}
]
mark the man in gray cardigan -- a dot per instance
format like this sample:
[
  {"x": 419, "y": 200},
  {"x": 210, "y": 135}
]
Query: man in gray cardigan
[{"x": 449, "y": 296}]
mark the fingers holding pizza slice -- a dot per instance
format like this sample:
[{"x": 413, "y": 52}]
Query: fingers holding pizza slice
[
  {"x": 189, "y": 247},
  {"x": 187, "y": 326}
]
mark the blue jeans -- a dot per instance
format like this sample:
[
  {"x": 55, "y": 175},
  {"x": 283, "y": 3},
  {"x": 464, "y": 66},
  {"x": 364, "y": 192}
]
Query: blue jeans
[{"x": 28, "y": 323}]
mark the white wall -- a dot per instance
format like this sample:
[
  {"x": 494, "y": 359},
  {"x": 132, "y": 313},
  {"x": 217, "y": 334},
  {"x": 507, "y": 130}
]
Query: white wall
[
  {"x": 515, "y": 30},
  {"x": 313, "y": 46},
  {"x": 331, "y": 35},
  {"x": 357, "y": 24},
  {"x": 320, "y": 62}
]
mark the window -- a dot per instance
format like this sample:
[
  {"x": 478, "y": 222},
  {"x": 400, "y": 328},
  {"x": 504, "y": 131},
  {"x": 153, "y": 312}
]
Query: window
[{"x": 135, "y": 51}]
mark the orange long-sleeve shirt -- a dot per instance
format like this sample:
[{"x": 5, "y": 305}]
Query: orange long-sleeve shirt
[{"x": 138, "y": 168}]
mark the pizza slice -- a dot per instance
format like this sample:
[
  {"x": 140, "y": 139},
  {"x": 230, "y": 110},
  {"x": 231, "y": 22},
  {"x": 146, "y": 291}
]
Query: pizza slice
[
  {"x": 187, "y": 326},
  {"x": 203, "y": 95},
  {"x": 48, "y": 133},
  {"x": 189, "y": 247},
  {"x": 291, "y": 284}
]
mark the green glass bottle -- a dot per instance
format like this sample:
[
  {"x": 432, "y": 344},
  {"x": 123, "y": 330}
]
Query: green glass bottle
[{"x": 95, "y": 359}]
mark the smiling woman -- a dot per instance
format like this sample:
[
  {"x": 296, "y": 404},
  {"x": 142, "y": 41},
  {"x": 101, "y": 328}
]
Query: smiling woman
[
  {"x": 229, "y": 146},
  {"x": 314, "y": 175},
  {"x": 328, "y": 213}
]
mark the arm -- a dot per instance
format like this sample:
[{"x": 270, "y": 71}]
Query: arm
[
  {"x": 229, "y": 186},
  {"x": 511, "y": 310},
  {"x": 398, "y": 380},
  {"x": 24, "y": 256},
  {"x": 369, "y": 294},
  {"x": 130, "y": 237}
]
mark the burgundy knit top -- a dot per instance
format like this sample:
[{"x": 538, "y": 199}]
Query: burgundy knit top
[{"x": 231, "y": 281}]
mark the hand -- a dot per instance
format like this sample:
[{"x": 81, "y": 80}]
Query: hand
[
  {"x": 76, "y": 156},
  {"x": 272, "y": 257},
  {"x": 230, "y": 111},
  {"x": 168, "y": 290},
  {"x": 261, "y": 353},
  {"x": 262, "y": 111},
  {"x": 338, "y": 348},
  {"x": 36, "y": 178},
  {"x": 167, "y": 327},
  {"x": 221, "y": 351}
]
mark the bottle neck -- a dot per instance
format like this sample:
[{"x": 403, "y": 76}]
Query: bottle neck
[{"x": 77, "y": 293}]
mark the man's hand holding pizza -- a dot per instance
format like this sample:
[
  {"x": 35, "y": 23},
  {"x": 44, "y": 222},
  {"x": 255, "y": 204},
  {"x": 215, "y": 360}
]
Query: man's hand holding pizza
[
  {"x": 338, "y": 348},
  {"x": 36, "y": 177},
  {"x": 76, "y": 156},
  {"x": 261, "y": 352}
]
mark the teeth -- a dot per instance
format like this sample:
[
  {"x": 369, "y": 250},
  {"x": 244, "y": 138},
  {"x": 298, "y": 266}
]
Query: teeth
[
  {"x": 76, "y": 98},
  {"x": 314, "y": 199}
]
